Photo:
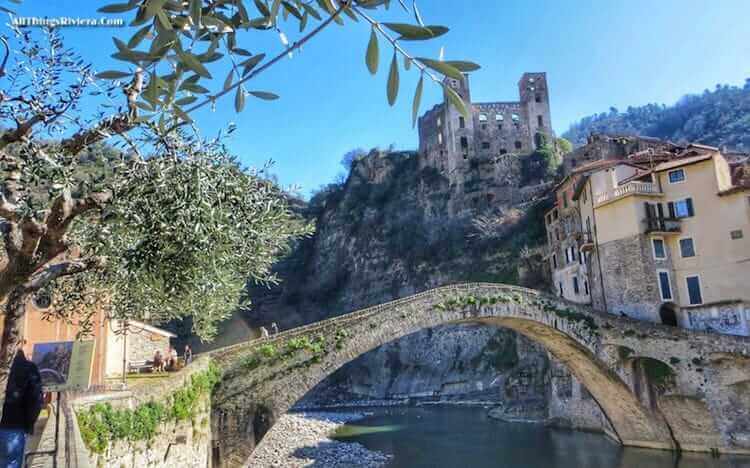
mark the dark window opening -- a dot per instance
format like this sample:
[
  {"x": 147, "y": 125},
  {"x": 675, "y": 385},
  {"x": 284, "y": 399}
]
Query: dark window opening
[
  {"x": 687, "y": 248},
  {"x": 575, "y": 285},
  {"x": 694, "y": 290},
  {"x": 485, "y": 145},
  {"x": 561, "y": 289},
  {"x": 464, "y": 142},
  {"x": 503, "y": 151},
  {"x": 668, "y": 315},
  {"x": 666, "y": 288},
  {"x": 586, "y": 287},
  {"x": 539, "y": 121},
  {"x": 554, "y": 262},
  {"x": 461, "y": 122},
  {"x": 538, "y": 97},
  {"x": 518, "y": 145}
]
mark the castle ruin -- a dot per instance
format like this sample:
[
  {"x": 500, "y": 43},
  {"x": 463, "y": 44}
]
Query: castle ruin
[{"x": 449, "y": 141}]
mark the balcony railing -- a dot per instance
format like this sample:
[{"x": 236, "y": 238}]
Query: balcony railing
[
  {"x": 662, "y": 225},
  {"x": 631, "y": 188}
]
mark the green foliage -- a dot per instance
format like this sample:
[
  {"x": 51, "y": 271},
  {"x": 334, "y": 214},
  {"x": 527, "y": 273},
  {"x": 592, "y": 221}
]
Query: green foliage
[
  {"x": 182, "y": 236},
  {"x": 719, "y": 117},
  {"x": 101, "y": 425},
  {"x": 564, "y": 146},
  {"x": 542, "y": 164},
  {"x": 658, "y": 373},
  {"x": 196, "y": 34}
]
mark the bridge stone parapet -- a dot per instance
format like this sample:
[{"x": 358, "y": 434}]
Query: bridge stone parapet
[{"x": 659, "y": 387}]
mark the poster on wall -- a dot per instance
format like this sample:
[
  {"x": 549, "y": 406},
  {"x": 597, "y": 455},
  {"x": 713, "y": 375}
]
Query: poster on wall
[{"x": 64, "y": 365}]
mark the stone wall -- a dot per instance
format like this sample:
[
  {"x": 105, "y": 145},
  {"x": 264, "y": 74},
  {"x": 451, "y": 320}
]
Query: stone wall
[
  {"x": 178, "y": 444},
  {"x": 630, "y": 283}
]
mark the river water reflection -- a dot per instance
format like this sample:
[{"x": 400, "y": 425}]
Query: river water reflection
[{"x": 448, "y": 437}]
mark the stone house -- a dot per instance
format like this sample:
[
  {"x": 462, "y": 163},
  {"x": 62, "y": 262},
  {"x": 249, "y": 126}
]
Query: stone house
[
  {"x": 664, "y": 241},
  {"x": 133, "y": 342}
]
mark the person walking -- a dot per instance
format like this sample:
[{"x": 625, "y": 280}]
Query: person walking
[
  {"x": 23, "y": 402},
  {"x": 274, "y": 328},
  {"x": 188, "y": 356}
]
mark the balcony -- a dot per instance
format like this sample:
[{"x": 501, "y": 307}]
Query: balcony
[
  {"x": 631, "y": 188},
  {"x": 661, "y": 225},
  {"x": 587, "y": 241}
]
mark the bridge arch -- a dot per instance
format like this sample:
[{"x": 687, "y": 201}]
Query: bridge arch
[{"x": 264, "y": 378}]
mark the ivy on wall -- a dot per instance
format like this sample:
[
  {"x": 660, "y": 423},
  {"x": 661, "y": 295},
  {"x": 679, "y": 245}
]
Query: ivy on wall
[{"x": 101, "y": 425}]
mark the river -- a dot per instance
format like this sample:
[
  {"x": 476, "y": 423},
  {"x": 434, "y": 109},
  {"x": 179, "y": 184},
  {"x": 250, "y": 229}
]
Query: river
[{"x": 449, "y": 437}]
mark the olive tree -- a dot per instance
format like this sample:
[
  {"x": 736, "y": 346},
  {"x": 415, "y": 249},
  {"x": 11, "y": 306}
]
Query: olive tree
[{"x": 170, "y": 226}]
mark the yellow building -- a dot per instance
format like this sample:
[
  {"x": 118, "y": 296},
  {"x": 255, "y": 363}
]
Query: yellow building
[{"x": 664, "y": 239}]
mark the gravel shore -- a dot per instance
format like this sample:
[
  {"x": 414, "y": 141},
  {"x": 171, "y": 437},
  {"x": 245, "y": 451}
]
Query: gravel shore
[{"x": 301, "y": 440}]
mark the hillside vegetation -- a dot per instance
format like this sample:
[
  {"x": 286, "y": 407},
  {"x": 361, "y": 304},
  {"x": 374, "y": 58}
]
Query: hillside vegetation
[{"x": 719, "y": 117}]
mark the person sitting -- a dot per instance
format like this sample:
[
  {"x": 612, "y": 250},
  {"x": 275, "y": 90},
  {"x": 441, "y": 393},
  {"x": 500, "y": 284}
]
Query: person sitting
[{"x": 171, "y": 363}]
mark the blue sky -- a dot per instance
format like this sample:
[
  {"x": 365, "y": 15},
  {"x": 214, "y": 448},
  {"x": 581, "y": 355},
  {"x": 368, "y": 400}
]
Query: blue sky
[{"x": 596, "y": 53}]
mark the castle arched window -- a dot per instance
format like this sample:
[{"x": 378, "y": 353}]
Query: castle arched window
[
  {"x": 485, "y": 145},
  {"x": 538, "y": 97},
  {"x": 515, "y": 118},
  {"x": 531, "y": 80},
  {"x": 518, "y": 145},
  {"x": 461, "y": 122},
  {"x": 499, "y": 117},
  {"x": 483, "y": 117}
]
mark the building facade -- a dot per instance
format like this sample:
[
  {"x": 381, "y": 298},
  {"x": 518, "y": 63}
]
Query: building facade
[
  {"x": 448, "y": 141},
  {"x": 665, "y": 240}
]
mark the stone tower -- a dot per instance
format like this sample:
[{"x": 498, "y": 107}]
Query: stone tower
[{"x": 534, "y": 93}]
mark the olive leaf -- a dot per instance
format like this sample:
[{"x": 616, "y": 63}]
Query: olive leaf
[
  {"x": 393, "y": 80},
  {"x": 239, "y": 99},
  {"x": 409, "y": 32},
  {"x": 456, "y": 100},
  {"x": 417, "y": 101},
  {"x": 265, "y": 95},
  {"x": 442, "y": 67},
  {"x": 373, "y": 53}
]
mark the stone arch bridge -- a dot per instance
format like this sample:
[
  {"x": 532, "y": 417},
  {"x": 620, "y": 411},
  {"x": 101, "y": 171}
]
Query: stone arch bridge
[{"x": 695, "y": 394}]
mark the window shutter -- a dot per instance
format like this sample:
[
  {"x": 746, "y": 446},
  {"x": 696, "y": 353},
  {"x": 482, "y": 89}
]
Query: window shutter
[
  {"x": 689, "y": 202},
  {"x": 649, "y": 210},
  {"x": 660, "y": 209},
  {"x": 670, "y": 208}
]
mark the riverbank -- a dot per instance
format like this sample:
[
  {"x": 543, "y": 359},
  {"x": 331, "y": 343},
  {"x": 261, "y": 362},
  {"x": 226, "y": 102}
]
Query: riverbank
[{"x": 303, "y": 440}]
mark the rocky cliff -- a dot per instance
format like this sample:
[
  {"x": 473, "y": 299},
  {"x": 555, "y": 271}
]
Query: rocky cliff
[{"x": 396, "y": 227}]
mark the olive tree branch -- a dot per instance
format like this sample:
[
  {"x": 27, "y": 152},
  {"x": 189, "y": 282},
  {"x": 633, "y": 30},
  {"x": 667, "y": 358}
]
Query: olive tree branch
[
  {"x": 375, "y": 24},
  {"x": 296, "y": 45}
]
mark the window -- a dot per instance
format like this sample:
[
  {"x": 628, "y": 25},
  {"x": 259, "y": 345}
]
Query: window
[
  {"x": 567, "y": 256},
  {"x": 515, "y": 118},
  {"x": 687, "y": 248},
  {"x": 694, "y": 290},
  {"x": 499, "y": 117},
  {"x": 503, "y": 151},
  {"x": 586, "y": 287},
  {"x": 573, "y": 163},
  {"x": 439, "y": 122},
  {"x": 660, "y": 251},
  {"x": 561, "y": 288},
  {"x": 554, "y": 261},
  {"x": 681, "y": 208},
  {"x": 518, "y": 144},
  {"x": 440, "y": 138},
  {"x": 483, "y": 117},
  {"x": 575, "y": 285},
  {"x": 736, "y": 234},
  {"x": 464, "y": 143},
  {"x": 485, "y": 145},
  {"x": 540, "y": 121},
  {"x": 573, "y": 253},
  {"x": 461, "y": 122},
  {"x": 676, "y": 176},
  {"x": 665, "y": 289},
  {"x": 537, "y": 97},
  {"x": 588, "y": 225}
]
